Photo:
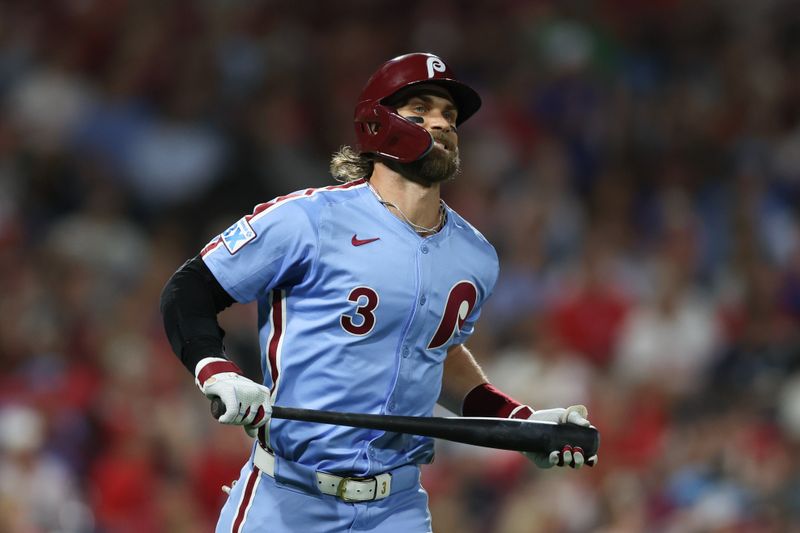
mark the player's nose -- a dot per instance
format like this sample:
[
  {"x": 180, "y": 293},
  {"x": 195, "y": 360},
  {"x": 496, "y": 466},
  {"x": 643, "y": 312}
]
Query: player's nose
[{"x": 437, "y": 121}]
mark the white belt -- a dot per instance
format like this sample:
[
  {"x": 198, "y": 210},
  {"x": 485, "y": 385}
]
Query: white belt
[{"x": 349, "y": 489}]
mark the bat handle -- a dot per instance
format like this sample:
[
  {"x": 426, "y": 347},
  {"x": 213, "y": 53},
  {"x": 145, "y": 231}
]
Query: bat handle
[{"x": 217, "y": 407}]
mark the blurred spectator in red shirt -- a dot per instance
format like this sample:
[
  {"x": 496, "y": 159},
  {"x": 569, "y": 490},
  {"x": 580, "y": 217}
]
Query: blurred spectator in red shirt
[{"x": 590, "y": 307}]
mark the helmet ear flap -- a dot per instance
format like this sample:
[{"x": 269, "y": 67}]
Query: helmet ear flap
[{"x": 381, "y": 131}]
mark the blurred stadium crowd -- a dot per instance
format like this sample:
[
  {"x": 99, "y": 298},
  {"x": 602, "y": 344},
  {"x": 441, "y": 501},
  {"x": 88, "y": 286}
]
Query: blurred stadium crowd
[{"x": 636, "y": 164}]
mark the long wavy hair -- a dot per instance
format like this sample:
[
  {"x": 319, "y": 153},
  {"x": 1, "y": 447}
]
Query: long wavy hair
[{"x": 347, "y": 164}]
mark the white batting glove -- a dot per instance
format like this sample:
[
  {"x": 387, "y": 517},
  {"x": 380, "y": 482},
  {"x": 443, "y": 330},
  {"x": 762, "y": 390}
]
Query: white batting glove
[
  {"x": 247, "y": 403},
  {"x": 571, "y": 456}
]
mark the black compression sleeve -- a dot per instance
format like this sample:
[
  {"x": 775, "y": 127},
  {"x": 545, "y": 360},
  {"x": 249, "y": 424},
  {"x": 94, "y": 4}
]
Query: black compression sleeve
[{"x": 190, "y": 302}]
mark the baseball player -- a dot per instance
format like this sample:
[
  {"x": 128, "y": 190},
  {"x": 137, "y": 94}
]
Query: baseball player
[{"x": 367, "y": 292}]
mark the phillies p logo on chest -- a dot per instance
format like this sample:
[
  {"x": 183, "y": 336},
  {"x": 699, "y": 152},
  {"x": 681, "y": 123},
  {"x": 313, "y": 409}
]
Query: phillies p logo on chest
[{"x": 460, "y": 303}]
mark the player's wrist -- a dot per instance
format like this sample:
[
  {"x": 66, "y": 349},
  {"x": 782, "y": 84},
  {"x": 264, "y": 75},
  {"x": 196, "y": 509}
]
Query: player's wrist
[
  {"x": 487, "y": 400},
  {"x": 214, "y": 366}
]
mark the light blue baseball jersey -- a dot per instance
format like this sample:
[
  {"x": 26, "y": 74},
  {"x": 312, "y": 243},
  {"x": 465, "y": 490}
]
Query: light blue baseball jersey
[{"x": 356, "y": 313}]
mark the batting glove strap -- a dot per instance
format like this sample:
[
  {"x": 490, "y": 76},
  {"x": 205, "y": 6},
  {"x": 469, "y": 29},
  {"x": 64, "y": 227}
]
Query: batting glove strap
[
  {"x": 210, "y": 366},
  {"x": 522, "y": 412}
]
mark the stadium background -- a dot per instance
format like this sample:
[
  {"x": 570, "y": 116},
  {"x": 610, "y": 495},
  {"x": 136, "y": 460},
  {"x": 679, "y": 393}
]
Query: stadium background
[{"x": 636, "y": 164}]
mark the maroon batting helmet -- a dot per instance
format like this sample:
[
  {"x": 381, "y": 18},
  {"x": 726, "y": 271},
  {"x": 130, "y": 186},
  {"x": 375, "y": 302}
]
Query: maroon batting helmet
[{"x": 380, "y": 130}]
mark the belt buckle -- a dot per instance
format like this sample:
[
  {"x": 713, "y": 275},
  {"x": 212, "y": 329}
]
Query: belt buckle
[{"x": 342, "y": 487}]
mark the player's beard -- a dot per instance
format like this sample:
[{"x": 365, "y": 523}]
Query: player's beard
[{"x": 437, "y": 166}]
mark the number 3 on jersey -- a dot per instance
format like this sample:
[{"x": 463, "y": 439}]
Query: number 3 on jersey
[{"x": 367, "y": 301}]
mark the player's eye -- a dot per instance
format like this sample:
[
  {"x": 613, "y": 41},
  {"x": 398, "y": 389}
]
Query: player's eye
[{"x": 420, "y": 109}]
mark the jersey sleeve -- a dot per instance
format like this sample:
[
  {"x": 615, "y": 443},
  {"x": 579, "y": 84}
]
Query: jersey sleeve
[{"x": 273, "y": 247}]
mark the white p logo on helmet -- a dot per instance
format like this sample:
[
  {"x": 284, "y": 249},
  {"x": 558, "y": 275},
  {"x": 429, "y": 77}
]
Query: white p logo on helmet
[{"x": 435, "y": 65}]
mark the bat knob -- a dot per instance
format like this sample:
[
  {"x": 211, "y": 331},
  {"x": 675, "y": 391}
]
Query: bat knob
[{"x": 217, "y": 407}]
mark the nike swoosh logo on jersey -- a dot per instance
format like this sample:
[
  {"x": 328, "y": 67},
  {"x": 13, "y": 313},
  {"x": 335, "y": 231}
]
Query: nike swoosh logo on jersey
[{"x": 355, "y": 241}]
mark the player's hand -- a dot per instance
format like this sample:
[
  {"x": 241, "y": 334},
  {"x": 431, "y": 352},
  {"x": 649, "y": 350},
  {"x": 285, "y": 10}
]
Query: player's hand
[
  {"x": 571, "y": 456},
  {"x": 247, "y": 403}
]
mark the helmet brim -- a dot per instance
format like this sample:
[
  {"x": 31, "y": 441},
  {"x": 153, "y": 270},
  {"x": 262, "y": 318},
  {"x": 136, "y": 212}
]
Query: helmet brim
[{"x": 465, "y": 98}]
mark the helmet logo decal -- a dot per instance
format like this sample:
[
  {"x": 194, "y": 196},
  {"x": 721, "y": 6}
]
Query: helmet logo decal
[{"x": 435, "y": 64}]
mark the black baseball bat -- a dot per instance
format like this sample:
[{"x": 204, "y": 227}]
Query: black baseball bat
[{"x": 501, "y": 433}]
